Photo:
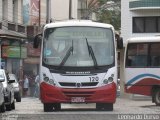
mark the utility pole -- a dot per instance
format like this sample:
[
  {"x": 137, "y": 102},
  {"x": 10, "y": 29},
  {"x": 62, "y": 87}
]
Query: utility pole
[
  {"x": 39, "y": 13},
  {"x": 48, "y": 11},
  {"x": 70, "y": 9}
]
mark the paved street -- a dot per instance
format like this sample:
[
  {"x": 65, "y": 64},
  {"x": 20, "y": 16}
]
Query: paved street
[{"x": 32, "y": 109}]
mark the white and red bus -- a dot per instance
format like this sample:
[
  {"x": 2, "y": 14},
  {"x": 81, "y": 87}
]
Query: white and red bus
[
  {"x": 142, "y": 67},
  {"x": 78, "y": 64}
]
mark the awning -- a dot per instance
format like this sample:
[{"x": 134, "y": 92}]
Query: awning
[{"x": 12, "y": 35}]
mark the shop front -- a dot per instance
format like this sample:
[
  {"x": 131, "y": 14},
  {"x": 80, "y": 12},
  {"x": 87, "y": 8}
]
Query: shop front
[{"x": 13, "y": 51}]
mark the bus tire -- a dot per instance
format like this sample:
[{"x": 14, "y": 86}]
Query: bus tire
[
  {"x": 8, "y": 107},
  {"x": 18, "y": 98},
  {"x": 57, "y": 106},
  {"x": 2, "y": 108},
  {"x": 104, "y": 106},
  {"x": 98, "y": 106},
  {"x": 13, "y": 105},
  {"x": 48, "y": 107},
  {"x": 157, "y": 97}
]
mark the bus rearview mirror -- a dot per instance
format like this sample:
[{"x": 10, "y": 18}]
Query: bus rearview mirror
[
  {"x": 37, "y": 40},
  {"x": 120, "y": 43}
]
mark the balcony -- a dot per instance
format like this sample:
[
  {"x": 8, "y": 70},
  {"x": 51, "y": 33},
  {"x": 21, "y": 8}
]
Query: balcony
[
  {"x": 6, "y": 25},
  {"x": 144, "y": 4},
  {"x": 12, "y": 30}
]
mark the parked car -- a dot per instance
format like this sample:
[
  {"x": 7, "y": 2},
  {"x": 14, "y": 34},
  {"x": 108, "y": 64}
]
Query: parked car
[
  {"x": 8, "y": 91},
  {"x": 17, "y": 93},
  {"x": 2, "y": 104}
]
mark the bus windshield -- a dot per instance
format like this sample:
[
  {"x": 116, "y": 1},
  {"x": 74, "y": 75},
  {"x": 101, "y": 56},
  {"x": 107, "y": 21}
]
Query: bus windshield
[{"x": 78, "y": 46}]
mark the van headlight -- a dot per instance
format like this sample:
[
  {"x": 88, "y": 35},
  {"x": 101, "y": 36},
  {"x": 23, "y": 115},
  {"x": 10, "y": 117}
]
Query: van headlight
[{"x": 108, "y": 80}]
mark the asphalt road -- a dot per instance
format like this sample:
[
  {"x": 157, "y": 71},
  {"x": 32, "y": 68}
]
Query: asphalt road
[{"x": 124, "y": 109}]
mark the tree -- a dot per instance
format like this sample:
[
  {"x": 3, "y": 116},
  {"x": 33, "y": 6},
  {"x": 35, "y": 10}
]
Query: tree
[{"x": 108, "y": 11}]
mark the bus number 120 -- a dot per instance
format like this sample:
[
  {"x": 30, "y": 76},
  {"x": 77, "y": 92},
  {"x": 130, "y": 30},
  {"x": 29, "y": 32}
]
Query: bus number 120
[{"x": 94, "y": 79}]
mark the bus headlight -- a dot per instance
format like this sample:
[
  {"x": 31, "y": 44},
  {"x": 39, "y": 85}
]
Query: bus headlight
[
  {"x": 105, "y": 81},
  {"x": 50, "y": 81},
  {"x": 109, "y": 80},
  {"x": 46, "y": 79}
]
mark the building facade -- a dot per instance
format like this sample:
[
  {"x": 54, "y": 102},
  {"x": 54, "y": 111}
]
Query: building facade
[
  {"x": 20, "y": 20},
  {"x": 59, "y": 10},
  {"x": 140, "y": 18},
  {"x": 12, "y": 35},
  {"x": 34, "y": 17}
]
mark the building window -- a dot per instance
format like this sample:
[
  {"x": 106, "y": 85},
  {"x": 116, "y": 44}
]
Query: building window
[
  {"x": 146, "y": 24},
  {"x": 138, "y": 25},
  {"x": 150, "y": 25},
  {"x": 82, "y": 8}
]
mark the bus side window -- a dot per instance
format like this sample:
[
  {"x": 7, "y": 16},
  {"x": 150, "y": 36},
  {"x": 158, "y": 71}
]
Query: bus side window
[
  {"x": 140, "y": 60},
  {"x": 156, "y": 61},
  {"x": 137, "y": 55},
  {"x": 129, "y": 61},
  {"x": 155, "y": 54},
  {"x": 137, "y": 60}
]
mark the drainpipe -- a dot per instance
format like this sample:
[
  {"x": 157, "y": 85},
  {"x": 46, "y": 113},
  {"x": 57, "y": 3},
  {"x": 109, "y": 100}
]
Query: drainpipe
[
  {"x": 70, "y": 9},
  {"x": 39, "y": 13},
  {"x": 48, "y": 11}
]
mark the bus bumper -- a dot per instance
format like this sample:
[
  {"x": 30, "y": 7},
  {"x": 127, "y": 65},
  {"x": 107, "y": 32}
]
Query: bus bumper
[{"x": 53, "y": 94}]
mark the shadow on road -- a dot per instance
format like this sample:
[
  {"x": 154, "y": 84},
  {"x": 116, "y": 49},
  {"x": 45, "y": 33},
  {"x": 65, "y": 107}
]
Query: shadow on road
[{"x": 149, "y": 106}]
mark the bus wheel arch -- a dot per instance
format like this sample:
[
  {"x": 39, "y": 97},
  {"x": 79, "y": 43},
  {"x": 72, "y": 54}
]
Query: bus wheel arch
[{"x": 156, "y": 95}]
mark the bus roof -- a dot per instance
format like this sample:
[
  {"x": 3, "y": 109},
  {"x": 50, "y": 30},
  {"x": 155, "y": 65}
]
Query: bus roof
[
  {"x": 144, "y": 39},
  {"x": 78, "y": 23}
]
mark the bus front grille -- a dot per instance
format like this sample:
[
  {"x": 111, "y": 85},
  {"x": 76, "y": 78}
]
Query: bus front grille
[{"x": 83, "y": 84}]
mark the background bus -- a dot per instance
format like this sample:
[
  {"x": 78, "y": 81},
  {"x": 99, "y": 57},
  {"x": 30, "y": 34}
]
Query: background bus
[
  {"x": 142, "y": 67},
  {"x": 78, "y": 64}
]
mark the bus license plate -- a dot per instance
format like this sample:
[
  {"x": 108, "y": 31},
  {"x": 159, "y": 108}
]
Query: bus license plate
[{"x": 78, "y": 99}]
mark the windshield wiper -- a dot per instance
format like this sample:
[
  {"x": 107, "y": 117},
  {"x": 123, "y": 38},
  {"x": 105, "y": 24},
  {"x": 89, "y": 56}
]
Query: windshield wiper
[
  {"x": 91, "y": 52},
  {"x": 66, "y": 56}
]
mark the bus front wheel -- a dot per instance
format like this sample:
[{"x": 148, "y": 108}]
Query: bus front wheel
[
  {"x": 104, "y": 106},
  {"x": 57, "y": 106},
  {"x": 156, "y": 97},
  {"x": 48, "y": 107}
]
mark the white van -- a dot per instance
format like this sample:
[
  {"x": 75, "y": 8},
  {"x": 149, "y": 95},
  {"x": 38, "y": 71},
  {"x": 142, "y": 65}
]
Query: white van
[
  {"x": 2, "y": 105},
  {"x": 17, "y": 93},
  {"x": 8, "y": 91}
]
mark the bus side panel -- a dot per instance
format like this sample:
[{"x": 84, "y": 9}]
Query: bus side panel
[
  {"x": 140, "y": 80},
  {"x": 143, "y": 87}
]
